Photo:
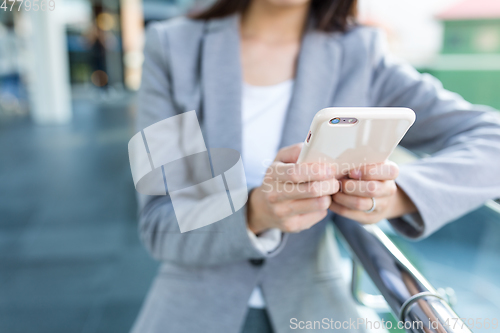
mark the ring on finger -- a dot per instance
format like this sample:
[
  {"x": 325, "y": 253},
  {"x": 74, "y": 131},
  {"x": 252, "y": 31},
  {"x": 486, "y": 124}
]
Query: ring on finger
[{"x": 374, "y": 205}]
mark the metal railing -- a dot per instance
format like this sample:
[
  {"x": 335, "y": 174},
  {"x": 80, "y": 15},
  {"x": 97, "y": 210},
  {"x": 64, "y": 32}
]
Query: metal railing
[
  {"x": 408, "y": 294},
  {"x": 403, "y": 289}
]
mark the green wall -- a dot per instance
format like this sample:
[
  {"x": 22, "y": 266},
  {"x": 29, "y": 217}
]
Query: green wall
[
  {"x": 469, "y": 63},
  {"x": 471, "y": 37},
  {"x": 478, "y": 87}
]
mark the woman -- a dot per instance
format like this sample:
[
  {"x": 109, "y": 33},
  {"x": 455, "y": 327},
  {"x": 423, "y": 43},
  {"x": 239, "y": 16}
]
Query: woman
[{"x": 256, "y": 72}]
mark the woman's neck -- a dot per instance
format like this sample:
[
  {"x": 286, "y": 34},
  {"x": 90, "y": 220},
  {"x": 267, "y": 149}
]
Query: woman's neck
[{"x": 274, "y": 23}]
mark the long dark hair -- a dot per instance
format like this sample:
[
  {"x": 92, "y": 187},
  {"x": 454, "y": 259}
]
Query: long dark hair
[{"x": 327, "y": 15}]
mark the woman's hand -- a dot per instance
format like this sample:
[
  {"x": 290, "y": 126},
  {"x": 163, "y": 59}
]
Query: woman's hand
[
  {"x": 292, "y": 197},
  {"x": 372, "y": 181}
]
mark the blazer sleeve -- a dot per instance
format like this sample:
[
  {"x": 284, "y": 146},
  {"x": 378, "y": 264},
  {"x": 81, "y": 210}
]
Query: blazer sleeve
[
  {"x": 461, "y": 142},
  {"x": 221, "y": 242}
]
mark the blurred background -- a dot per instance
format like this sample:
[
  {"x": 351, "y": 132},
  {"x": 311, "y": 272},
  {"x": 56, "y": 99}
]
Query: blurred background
[{"x": 70, "y": 257}]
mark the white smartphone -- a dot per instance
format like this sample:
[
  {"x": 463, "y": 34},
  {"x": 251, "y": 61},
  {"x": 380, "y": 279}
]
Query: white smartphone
[{"x": 352, "y": 137}]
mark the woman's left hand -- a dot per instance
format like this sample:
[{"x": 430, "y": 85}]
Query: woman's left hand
[{"x": 372, "y": 181}]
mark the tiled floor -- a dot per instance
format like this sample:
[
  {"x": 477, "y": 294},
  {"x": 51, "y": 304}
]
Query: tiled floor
[{"x": 70, "y": 257}]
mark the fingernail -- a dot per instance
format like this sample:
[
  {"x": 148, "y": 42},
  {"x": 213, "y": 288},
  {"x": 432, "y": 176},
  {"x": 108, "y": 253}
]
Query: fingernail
[
  {"x": 355, "y": 174},
  {"x": 329, "y": 171}
]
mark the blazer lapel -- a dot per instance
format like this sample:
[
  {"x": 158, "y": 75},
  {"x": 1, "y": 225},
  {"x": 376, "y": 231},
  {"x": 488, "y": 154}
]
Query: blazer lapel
[
  {"x": 221, "y": 83},
  {"x": 315, "y": 83}
]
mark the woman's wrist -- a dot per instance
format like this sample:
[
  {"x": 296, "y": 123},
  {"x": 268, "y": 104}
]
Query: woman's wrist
[
  {"x": 402, "y": 205},
  {"x": 252, "y": 214}
]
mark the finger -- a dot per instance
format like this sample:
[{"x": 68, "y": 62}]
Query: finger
[
  {"x": 289, "y": 154},
  {"x": 291, "y": 191},
  {"x": 382, "y": 171},
  {"x": 299, "y": 173},
  {"x": 304, "y": 206},
  {"x": 369, "y": 189},
  {"x": 356, "y": 215},
  {"x": 353, "y": 202},
  {"x": 303, "y": 221}
]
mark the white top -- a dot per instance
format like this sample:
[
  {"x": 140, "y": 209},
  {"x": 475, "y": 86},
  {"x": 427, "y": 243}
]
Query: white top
[{"x": 263, "y": 117}]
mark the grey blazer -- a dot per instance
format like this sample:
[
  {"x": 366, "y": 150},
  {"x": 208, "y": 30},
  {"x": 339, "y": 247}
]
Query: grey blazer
[{"x": 206, "y": 278}]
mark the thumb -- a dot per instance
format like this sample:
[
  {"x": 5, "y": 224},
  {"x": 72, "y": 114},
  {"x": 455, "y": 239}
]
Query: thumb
[{"x": 289, "y": 154}]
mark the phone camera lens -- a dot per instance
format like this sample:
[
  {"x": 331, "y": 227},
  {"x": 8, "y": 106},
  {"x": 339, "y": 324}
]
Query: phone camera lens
[{"x": 335, "y": 121}]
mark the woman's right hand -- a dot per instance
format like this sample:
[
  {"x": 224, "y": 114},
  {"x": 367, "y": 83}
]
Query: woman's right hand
[{"x": 292, "y": 197}]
